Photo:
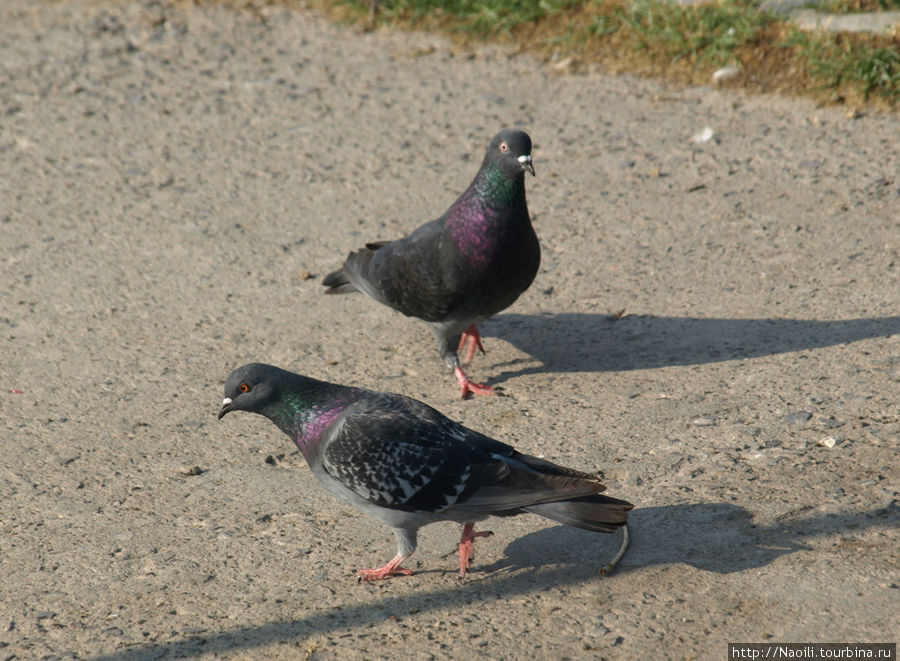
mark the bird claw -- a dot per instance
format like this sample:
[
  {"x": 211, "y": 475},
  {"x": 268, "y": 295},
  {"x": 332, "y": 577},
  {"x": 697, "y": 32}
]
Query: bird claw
[
  {"x": 469, "y": 387},
  {"x": 381, "y": 573},
  {"x": 392, "y": 568},
  {"x": 467, "y": 547}
]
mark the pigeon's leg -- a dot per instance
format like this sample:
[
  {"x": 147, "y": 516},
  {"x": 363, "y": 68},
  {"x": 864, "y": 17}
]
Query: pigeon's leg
[
  {"x": 447, "y": 346},
  {"x": 406, "y": 544},
  {"x": 467, "y": 546},
  {"x": 392, "y": 568},
  {"x": 472, "y": 337},
  {"x": 468, "y": 386}
]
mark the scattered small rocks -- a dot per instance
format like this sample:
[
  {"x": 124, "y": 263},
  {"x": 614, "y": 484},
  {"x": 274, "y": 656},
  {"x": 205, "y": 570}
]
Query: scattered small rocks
[{"x": 193, "y": 470}]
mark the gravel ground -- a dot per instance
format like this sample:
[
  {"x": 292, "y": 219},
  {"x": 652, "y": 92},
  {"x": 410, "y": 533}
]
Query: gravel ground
[{"x": 175, "y": 180}]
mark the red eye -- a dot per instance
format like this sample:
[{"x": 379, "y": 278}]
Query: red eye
[
  {"x": 244, "y": 387},
  {"x": 504, "y": 147}
]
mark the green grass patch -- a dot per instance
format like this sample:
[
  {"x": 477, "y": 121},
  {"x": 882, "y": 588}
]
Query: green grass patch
[
  {"x": 706, "y": 33},
  {"x": 872, "y": 68},
  {"x": 676, "y": 41},
  {"x": 479, "y": 17}
]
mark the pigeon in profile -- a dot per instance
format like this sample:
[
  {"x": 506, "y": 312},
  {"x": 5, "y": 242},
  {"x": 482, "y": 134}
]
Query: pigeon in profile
[
  {"x": 460, "y": 269},
  {"x": 407, "y": 465}
]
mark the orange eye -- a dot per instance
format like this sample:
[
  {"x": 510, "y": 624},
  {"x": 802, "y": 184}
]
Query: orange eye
[
  {"x": 244, "y": 387},
  {"x": 504, "y": 147}
]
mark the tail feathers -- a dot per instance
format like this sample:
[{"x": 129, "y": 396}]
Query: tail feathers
[
  {"x": 338, "y": 283},
  {"x": 599, "y": 513},
  {"x": 358, "y": 262}
]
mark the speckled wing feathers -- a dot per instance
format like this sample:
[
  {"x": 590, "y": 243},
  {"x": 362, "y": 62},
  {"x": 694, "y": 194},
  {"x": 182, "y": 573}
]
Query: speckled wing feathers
[
  {"x": 401, "y": 454},
  {"x": 388, "y": 468}
]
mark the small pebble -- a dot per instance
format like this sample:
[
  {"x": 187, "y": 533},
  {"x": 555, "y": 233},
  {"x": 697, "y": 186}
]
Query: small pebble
[
  {"x": 798, "y": 416},
  {"x": 704, "y": 421},
  {"x": 724, "y": 74},
  {"x": 565, "y": 65},
  {"x": 827, "y": 442},
  {"x": 705, "y": 135}
]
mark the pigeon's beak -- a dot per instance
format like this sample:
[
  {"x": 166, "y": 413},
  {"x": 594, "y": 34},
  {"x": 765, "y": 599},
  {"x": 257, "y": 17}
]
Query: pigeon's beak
[
  {"x": 226, "y": 407},
  {"x": 525, "y": 160}
]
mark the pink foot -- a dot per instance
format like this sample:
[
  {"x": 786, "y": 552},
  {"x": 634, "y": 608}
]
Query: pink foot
[
  {"x": 467, "y": 546},
  {"x": 473, "y": 338},
  {"x": 470, "y": 387},
  {"x": 392, "y": 568}
]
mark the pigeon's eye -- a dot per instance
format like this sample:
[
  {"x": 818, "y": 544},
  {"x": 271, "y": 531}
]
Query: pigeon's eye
[
  {"x": 244, "y": 387},
  {"x": 504, "y": 147}
]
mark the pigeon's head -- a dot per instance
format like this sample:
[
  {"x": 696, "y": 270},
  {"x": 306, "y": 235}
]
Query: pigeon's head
[
  {"x": 253, "y": 387},
  {"x": 511, "y": 150}
]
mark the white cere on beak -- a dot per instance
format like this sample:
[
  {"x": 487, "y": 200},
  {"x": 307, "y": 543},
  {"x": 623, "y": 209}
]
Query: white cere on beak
[
  {"x": 525, "y": 161},
  {"x": 226, "y": 401}
]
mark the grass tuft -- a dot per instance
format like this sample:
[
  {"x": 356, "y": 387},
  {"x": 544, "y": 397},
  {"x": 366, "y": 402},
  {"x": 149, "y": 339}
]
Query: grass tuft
[
  {"x": 707, "y": 33},
  {"x": 479, "y": 17},
  {"x": 838, "y": 62}
]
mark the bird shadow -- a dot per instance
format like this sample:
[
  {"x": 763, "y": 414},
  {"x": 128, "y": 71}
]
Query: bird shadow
[
  {"x": 585, "y": 342},
  {"x": 713, "y": 537}
]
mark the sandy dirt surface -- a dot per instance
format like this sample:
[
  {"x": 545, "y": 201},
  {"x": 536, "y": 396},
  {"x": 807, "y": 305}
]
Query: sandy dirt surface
[{"x": 168, "y": 176}]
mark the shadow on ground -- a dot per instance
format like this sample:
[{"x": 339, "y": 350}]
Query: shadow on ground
[
  {"x": 578, "y": 342},
  {"x": 715, "y": 537}
]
